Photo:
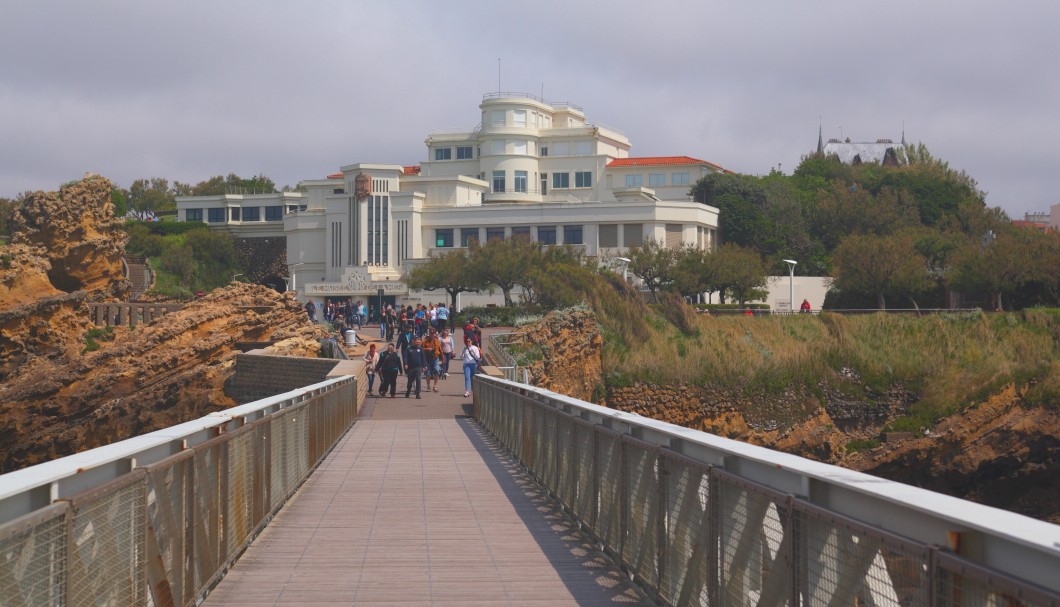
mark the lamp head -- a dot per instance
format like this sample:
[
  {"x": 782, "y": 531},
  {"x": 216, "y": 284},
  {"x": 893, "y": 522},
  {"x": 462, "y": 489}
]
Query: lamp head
[{"x": 791, "y": 261}]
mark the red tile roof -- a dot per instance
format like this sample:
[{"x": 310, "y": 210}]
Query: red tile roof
[
  {"x": 660, "y": 161},
  {"x": 412, "y": 170},
  {"x": 335, "y": 176}
]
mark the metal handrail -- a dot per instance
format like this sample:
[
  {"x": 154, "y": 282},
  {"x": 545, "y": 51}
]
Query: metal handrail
[
  {"x": 158, "y": 519},
  {"x": 700, "y": 519}
]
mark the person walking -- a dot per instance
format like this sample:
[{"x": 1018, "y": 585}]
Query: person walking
[
  {"x": 371, "y": 359},
  {"x": 415, "y": 361},
  {"x": 446, "y": 342},
  {"x": 432, "y": 354},
  {"x": 388, "y": 367},
  {"x": 442, "y": 314},
  {"x": 471, "y": 357}
]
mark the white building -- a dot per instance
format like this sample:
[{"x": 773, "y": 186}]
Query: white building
[{"x": 530, "y": 168}]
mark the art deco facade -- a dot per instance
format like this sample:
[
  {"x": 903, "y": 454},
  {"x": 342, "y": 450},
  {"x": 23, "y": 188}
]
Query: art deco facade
[{"x": 531, "y": 168}]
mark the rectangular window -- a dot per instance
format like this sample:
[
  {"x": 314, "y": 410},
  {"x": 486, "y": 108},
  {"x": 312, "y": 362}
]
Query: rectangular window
[
  {"x": 498, "y": 118},
  {"x": 519, "y": 118},
  {"x": 274, "y": 213},
  {"x": 519, "y": 147},
  {"x": 443, "y": 153},
  {"x": 544, "y": 183},
  {"x": 572, "y": 235},
  {"x": 561, "y": 149},
  {"x": 251, "y": 213},
  {"x": 235, "y": 213},
  {"x": 463, "y": 152},
  {"x": 494, "y": 234},
  {"x": 679, "y": 179},
  {"x": 520, "y": 181},
  {"x": 656, "y": 179},
  {"x": 583, "y": 148},
  {"x": 521, "y": 232},
  {"x": 546, "y": 234},
  {"x": 583, "y": 179},
  {"x": 560, "y": 180},
  {"x": 215, "y": 215},
  {"x": 608, "y": 235},
  {"x": 443, "y": 238},
  {"x": 496, "y": 147},
  {"x": 633, "y": 234},
  {"x": 634, "y": 181},
  {"x": 193, "y": 215},
  {"x": 467, "y": 235},
  {"x": 673, "y": 235},
  {"x": 544, "y": 150},
  {"x": 498, "y": 181}
]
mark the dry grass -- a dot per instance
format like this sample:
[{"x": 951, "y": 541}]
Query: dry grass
[{"x": 947, "y": 360}]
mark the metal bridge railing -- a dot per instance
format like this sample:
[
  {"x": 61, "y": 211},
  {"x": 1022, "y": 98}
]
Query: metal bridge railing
[
  {"x": 158, "y": 519},
  {"x": 497, "y": 350},
  {"x": 701, "y": 520}
]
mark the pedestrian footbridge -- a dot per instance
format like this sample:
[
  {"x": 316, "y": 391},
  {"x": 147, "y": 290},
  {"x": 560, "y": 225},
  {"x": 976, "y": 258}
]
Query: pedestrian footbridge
[{"x": 519, "y": 496}]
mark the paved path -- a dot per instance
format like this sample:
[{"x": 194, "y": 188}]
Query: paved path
[{"x": 418, "y": 506}]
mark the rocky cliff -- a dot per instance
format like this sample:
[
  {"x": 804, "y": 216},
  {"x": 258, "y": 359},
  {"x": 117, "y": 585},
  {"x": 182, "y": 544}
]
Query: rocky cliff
[
  {"x": 67, "y": 386},
  {"x": 66, "y": 249},
  {"x": 145, "y": 378}
]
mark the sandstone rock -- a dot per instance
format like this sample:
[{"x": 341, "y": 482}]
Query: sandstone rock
[{"x": 159, "y": 374}]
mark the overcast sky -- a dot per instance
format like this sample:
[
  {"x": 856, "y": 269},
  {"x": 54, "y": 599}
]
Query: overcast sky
[{"x": 293, "y": 90}]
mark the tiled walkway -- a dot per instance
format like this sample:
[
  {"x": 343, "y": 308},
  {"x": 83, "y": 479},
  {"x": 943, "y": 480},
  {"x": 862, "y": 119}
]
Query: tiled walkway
[{"x": 418, "y": 506}]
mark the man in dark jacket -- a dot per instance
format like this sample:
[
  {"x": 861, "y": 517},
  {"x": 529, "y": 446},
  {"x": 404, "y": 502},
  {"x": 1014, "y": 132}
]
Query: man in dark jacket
[
  {"x": 388, "y": 367},
  {"x": 415, "y": 361}
]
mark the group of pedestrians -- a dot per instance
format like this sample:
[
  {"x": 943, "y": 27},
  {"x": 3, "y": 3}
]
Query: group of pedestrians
[
  {"x": 347, "y": 312},
  {"x": 423, "y": 357}
]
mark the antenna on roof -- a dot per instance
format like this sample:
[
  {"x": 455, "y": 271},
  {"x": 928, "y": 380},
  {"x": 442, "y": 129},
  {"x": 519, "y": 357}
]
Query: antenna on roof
[{"x": 498, "y": 74}]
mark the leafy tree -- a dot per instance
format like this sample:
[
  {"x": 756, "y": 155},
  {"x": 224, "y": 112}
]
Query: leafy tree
[
  {"x": 653, "y": 263},
  {"x": 739, "y": 273},
  {"x": 233, "y": 184},
  {"x": 7, "y": 211},
  {"x": 843, "y": 210},
  {"x": 882, "y": 266},
  {"x": 149, "y": 195},
  {"x": 504, "y": 263},
  {"x": 1001, "y": 266},
  {"x": 121, "y": 204},
  {"x": 452, "y": 272},
  {"x": 179, "y": 260},
  {"x": 215, "y": 257}
]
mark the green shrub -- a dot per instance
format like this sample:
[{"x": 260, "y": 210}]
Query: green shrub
[{"x": 862, "y": 445}]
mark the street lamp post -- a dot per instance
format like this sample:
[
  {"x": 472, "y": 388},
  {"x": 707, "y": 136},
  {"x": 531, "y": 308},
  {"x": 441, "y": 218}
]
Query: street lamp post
[
  {"x": 625, "y": 267},
  {"x": 292, "y": 286},
  {"x": 791, "y": 284}
]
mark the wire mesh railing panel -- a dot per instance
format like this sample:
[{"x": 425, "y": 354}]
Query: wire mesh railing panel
[
  {"x": 240, "y": 498},
  {"x": 206, "y": 522},
  {"x": 566, "y": 465},
  {"x": 542, "y": 441},
  {"x": 641, "y": 553},
  {"x": 300, "y": 453},
  {"x": 33, "y": 558},
  {"x": 547, "y": 470},
  {"x": 755, "y": 535},
  {"x": 167, "y": 524},
  {"x": 842, "y": 562},
  {"x": 584, "y": 504},
  {"x": 106, "y": 550},
  {"x": 278, "y": 472},
  {"x": 686, "y": 576},
  {"x": 960, "y": 583},
  {"x": 612, "y": 495}
]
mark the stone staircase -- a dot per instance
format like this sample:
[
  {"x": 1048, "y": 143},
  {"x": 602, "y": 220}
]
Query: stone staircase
[{"x": 138, "y": 275}]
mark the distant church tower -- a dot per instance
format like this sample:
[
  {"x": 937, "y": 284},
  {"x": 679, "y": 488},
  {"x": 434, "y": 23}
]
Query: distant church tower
[{"x": 820, "y": 140}]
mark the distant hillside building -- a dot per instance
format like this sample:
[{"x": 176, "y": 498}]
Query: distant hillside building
[
  {"x": 530, "y": 168},
  {"x": 881, "y": 151}
]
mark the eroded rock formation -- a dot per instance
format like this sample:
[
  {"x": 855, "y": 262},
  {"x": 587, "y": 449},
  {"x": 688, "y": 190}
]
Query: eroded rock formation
[{"x": 145, "y": 378}]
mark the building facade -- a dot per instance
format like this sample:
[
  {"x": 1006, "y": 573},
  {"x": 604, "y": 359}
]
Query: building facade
[{"x": 531, "y": 168}]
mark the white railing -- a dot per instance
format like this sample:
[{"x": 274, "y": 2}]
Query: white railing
[
  {"x": 158, "y": 519},
  {"x": 702, "y": 520}
]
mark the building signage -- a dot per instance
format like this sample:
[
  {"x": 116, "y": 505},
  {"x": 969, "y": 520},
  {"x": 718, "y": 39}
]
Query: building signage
[{"x": 356, "y": 281}]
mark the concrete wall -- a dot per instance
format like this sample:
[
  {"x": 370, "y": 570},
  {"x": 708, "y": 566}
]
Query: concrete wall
[{"x": 259, "y": 375}]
